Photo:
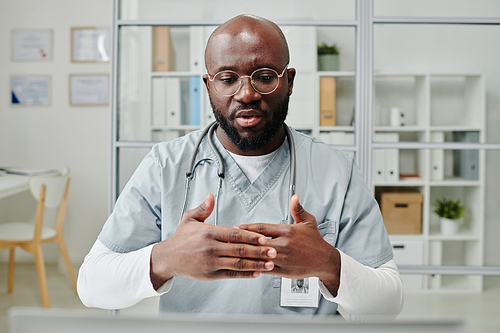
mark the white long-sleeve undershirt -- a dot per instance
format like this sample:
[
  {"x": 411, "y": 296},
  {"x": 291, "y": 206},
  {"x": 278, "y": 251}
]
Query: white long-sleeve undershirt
[{"x": 363, "y": 291}]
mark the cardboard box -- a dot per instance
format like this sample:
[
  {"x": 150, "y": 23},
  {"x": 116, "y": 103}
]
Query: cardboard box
[{"x": 402, "y": 212}]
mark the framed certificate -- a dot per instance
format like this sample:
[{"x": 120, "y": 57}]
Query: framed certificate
[
  {"x": 90, "y": 44},
  {"x": 89, "y": 89},
  {"x": 31, "y": 44},
  {"x": 30, "y": 90}
]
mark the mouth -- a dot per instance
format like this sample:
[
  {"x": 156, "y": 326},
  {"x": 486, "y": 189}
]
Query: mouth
[{"x": 248, "y": 118}]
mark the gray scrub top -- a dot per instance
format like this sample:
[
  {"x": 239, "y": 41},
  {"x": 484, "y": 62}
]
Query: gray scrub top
[{"x": 329, "y": 185}]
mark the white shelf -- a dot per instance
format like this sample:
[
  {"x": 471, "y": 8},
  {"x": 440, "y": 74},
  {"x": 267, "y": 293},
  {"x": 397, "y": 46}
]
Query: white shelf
[
  {"x": 335, "y": 73},
  {"x": 460, "y": 236},
  {"x": 337, "y": 128},
  {"x": 174, "y": 74},
  {"x": 400, "y": 129},
  {"x": 175, "y": 128},
  {"x": 458, "y": 182},
  {"x": 436, "y": 106},
  {"x": 463, "y": 128}
]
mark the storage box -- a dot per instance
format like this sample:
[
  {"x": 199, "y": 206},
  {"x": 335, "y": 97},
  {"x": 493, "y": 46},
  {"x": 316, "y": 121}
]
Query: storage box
[{"x": 402, "y": 212}]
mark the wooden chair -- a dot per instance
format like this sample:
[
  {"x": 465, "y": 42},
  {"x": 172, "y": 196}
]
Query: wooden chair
[{"x": 50, "y": 191}]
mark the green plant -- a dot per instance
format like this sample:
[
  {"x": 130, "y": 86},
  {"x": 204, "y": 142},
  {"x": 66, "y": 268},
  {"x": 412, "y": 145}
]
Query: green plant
[
  {"x": 328, "y": 49},
  {"x": 450, "y": 209}
]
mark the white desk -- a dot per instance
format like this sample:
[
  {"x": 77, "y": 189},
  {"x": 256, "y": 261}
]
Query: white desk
[{"x": 12, "y": 184}]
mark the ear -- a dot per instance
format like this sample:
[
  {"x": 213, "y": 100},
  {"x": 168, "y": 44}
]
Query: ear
[
  {"x": 291, "y": 76},
  {"x": 206, "y": 81}
]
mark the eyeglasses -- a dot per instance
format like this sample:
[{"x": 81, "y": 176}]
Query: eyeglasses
[{"x": 263, "y": 80}]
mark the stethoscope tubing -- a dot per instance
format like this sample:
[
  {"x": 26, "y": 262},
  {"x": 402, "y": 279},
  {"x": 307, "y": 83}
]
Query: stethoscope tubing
[{"x": 221, "y": 170}]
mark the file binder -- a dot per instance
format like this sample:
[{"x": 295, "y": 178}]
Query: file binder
[
  {"x": 195, "y": 100},
  {"x": 173, "y": 101},
  {"x": 437, "y": 157},
  {"x": 327, "y": 101},
  {"x": 163, "y": 51},
  {"x": 158, "y": 101},
  {"x": 466, "y": 162},
  {"x": 386, "y": 161}
]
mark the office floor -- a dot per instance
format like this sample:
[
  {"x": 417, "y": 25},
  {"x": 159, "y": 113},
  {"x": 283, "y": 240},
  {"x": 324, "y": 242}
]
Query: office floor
[{"x": 480, "y": 311}]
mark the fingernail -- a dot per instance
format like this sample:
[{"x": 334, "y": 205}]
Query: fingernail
[
  {"x": 269, "y": 265},
  {"x": 262, "y": 240},
  {"x": 271, "y": 253},
  {"x": 256, "y": 274}
]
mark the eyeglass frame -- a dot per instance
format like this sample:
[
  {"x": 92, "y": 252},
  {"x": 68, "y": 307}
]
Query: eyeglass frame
[{"x": 251, "y": 81}]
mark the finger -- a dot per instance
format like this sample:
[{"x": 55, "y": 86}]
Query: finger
[
  {"x": 202, "y": 212},
  {"x": 243, "y": 265},
  {"x": 245, "y": 251},
  {"x": 299, "y": 214},
  {"x": 238, "y": 236},
  {"x": 230, "y": 274},
  {"x": 266, "y": 229}
]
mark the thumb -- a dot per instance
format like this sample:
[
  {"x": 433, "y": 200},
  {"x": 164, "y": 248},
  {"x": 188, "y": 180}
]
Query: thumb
[
  {"x": 200, "y": 213},
  {"x": 299, "y": 214}
]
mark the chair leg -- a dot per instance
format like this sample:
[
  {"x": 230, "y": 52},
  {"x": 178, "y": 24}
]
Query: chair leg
[
  {"x": 12, "y": 259},
  {"x": 42, "y": 276},
  {"x": 67, "y": 261}
]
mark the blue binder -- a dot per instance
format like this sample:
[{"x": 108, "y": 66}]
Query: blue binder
[{"x": 195, "y": 100}]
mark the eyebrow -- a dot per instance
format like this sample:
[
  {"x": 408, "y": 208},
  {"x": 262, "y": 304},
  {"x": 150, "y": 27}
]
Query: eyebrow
[{"x": 232, "y": 68}]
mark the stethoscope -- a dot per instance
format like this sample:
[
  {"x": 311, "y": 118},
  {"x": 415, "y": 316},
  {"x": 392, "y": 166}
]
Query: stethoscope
[{"x": 220, "y": 172}]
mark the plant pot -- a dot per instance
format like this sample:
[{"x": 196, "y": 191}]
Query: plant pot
[
  {"x": 328, "y": 62},
  {"x": 448, "y": 226}
]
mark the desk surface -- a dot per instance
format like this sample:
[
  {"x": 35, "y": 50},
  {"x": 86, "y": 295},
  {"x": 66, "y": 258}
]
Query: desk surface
[{"x": 12, "y": 184}]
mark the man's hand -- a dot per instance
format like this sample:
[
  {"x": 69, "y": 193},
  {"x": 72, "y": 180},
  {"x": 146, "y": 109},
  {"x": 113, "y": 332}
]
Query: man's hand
[
  {"x": 205, "y": 252},
  {"x": 302, "y": 252}
]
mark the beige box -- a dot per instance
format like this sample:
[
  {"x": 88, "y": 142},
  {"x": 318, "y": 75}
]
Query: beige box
[{"x": 402, "y": 212}]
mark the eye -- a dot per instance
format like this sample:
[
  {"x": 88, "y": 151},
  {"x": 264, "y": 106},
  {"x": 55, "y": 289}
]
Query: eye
[
  {"x": 226, "y": 78},
  {"x": 265, "y": 77}
]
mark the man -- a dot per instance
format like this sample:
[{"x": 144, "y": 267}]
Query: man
[
  {"x": 300, "y": 287},
  {"x": 145, "y": 250}
]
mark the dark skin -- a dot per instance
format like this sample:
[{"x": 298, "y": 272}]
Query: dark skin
[{"x": 205, "y": 252}]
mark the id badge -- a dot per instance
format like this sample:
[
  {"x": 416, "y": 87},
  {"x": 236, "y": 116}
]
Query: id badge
[{"x": 300, "y": 292}]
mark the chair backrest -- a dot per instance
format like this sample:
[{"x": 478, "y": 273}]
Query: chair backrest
[
  {"x": 65, "y": 171},
  {"x": 55, "y": 188}
]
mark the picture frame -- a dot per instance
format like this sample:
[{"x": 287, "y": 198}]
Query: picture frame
[
  {"x": 30, "y": 90},
  {"x": 90, "y": 44},
  {"x": 89, "y": 89},
  {"x": 29, "y": 45}
]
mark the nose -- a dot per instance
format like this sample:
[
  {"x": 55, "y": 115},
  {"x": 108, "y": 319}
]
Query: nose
[{"x": 247, "y": 93}]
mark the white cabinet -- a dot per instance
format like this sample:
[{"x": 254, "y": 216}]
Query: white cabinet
[
  {"x": 409, "y": 252},
  {"x": 438, "y": 108}
]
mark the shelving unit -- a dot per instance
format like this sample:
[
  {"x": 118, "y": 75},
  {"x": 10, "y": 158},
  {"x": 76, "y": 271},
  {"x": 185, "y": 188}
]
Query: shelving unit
[
  {"x": 438, "y": 108},
  {"x": 189, "y": 44}
]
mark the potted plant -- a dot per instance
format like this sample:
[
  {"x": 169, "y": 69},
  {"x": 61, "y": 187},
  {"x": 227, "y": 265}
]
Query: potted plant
[
  {"x": 450, "y": 212},
  {"x": 328, "y": 57}
]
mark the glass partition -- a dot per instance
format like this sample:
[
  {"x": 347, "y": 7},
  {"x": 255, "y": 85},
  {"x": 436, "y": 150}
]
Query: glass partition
[
  {"x": 436, "y": 8},
  {"x": 222, "y": 10},
  {"x": 436, "y": 78},
  {"x": 128, "y": 160}
]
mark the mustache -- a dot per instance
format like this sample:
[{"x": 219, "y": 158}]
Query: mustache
[{"x": 240, "y": 107}]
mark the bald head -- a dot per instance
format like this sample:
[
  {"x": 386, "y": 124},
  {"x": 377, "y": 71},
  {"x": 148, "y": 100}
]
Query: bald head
[{"x": 255, "y": 33}]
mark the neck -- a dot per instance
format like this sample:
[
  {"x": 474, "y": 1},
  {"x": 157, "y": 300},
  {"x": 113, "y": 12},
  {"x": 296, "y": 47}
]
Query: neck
[{"x": 271, "y": 146}]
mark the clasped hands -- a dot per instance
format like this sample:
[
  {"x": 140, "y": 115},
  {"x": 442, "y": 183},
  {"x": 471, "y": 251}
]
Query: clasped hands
[{"x": 202, "y": 251}]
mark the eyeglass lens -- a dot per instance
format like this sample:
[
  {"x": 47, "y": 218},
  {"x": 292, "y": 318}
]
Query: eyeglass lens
[{"x": 264, "y": 81}]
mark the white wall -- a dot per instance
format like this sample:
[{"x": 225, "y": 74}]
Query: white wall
[{"x": 57, "y": 135}]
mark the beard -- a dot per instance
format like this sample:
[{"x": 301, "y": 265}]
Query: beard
[{"x": 274, "y": 121}]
